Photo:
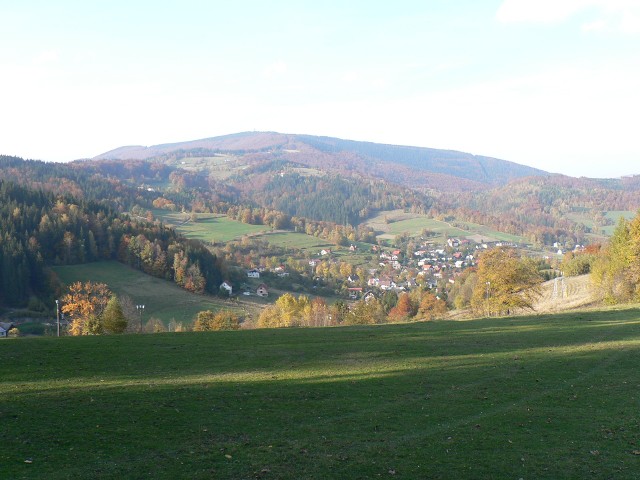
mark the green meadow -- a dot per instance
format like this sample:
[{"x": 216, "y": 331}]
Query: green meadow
[
  {"x": 209, "y": 227},
  {"x": 300, "y": 241},
  {"x": 162, "y": 299},
  {"x": 399, "y": 222},
  {"x": 614, "y": 215},
  {"x": 543, "y": 397}
]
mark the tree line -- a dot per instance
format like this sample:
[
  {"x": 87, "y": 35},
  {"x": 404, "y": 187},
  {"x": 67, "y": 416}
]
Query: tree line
[{"x": 40, "y": 228}]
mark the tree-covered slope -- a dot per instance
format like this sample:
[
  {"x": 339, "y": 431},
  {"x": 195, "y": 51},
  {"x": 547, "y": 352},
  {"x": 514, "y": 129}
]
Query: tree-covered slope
[
  {"x": 40, "y": 226},
  {"x": 403, "y": 164}
]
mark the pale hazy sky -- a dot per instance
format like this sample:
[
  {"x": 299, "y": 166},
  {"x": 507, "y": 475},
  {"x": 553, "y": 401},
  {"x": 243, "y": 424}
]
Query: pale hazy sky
[{"x": 554, "y": 84}]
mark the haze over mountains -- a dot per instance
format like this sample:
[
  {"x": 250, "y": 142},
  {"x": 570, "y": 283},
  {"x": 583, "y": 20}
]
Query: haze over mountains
[{"x": 407, "y": 165}]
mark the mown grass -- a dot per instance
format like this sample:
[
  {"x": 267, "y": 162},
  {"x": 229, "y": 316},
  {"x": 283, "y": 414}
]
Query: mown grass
[
  {"x": 549, "y": 397},
  {"x": 414, "y": 224},
  {"x": 300, "y": 241},
  {"x": 162, "y": 299},
  {"x": 209, "y": 227}
]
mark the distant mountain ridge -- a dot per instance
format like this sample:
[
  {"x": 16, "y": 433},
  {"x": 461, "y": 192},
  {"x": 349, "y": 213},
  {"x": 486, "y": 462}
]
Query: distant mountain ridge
[{"x": 411, "y": 166}]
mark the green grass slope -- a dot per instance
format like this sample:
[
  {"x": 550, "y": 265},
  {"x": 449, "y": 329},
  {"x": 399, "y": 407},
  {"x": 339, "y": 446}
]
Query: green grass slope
[
  {"x": 209, "y": 227},
  {"x": 401, "y": 222},
  {"x": 162, "y": 299},
  {"x": 550, "y": 397}
]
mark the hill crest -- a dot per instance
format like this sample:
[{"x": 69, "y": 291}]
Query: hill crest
[{"x": 408, "y": 165}]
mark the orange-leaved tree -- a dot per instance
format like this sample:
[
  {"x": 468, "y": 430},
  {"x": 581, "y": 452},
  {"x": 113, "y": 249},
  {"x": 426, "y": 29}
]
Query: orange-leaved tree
[
  {"x": 432, "y": 307},
  {"x": 83, "y": 305},
  {"x": 506, "y": 282}
]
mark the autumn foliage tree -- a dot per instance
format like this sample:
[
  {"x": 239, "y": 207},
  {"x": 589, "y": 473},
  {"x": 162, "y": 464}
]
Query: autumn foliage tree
[
  {"x": 617, "y": 272},
  {"x": 210, "y": 321},
  {"x": 404, "y": 309},
  {"x": 83, "y": 305},
  {"x": 505, "y": 282},
  {"x": 365, "y": 312},
  {"x": 289, "y": 311},
  {"x": 431, "y": 307}
]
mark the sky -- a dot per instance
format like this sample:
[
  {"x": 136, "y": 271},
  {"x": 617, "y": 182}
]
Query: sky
[{"x": 554, "y": 84}]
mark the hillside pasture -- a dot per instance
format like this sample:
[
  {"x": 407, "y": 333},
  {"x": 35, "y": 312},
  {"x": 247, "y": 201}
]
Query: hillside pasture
[
  {"x": 219, "y": 166},
  {"x": 299, "y": 241},
  {"x": 614, "y": 216},
  {"x": 482, "y": 233},
  {"x": 391, "y": 223},
  {"x": 397, "y": 222},
  {"x": 209, "y": 227},
  {"x": 585, "y": 217},
  {"x": 162, "y": 299},
  {"x": 544, "y": 397}
]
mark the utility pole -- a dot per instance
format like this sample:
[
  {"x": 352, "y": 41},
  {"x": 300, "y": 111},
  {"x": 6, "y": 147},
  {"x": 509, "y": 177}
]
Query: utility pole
[
  {"x": 58, "y": 315},
  {"x": 140, "y": 309}
]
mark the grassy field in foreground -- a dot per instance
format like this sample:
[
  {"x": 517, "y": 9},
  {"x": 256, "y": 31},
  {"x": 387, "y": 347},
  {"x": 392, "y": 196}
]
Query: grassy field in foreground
[
  {"x": 548, "y": 397},
  {"x": 162, "y": 299}
]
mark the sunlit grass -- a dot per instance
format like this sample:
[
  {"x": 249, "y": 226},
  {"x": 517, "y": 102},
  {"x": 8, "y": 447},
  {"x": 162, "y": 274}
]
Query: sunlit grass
[{"x": 533, "y": 397}]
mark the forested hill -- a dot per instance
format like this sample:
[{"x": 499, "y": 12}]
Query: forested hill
[
  {"x": 42, "y": 224},
  {"x": 449, "y": 162},
  {"x": 406, "y": 165}
]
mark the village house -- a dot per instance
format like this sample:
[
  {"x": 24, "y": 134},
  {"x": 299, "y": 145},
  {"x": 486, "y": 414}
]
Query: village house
[
  {"x": 254, "y": 273},
  {"x": 354, "y": 292},
  {"x": 262, "y": 290},
  {"x": 226, "y": 285},
  {"x": 4, "y": 329},
  {"x": 386, "y": 284}
]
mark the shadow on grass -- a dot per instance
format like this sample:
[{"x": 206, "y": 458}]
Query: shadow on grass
[
  {"x": 540, "y": 397},
  {"x": 258, "y": 352}
]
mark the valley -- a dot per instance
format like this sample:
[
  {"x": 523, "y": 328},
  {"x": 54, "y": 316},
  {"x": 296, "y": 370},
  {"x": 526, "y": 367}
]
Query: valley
[{"x": 320, "y": 217}]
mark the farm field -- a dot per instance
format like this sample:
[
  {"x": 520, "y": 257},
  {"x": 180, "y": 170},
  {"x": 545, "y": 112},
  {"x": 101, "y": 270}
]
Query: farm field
[
  {"x": 209, "y": 227},
  {"x": 615, "y": 215},
  {"x": 300, "y": 241},
  {"x": 483, "y": 233},
  {"x": 414, "y": 224},
  {"x": 162, "y": 299},
  {"x": 219, "y": 166},
  {"x": 544, "y": 397}
]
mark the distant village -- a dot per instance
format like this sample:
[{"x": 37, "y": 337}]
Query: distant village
[{"x": 396, "y": 270}]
